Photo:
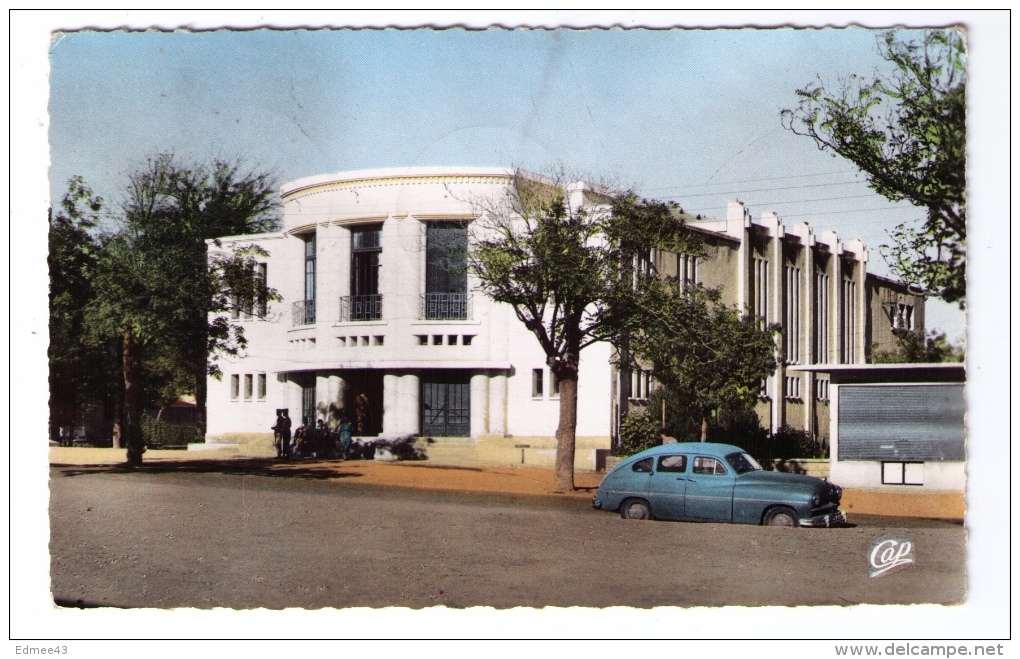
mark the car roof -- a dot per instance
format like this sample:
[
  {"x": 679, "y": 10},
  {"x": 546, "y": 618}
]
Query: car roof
[{"x": 701, "y": 448}]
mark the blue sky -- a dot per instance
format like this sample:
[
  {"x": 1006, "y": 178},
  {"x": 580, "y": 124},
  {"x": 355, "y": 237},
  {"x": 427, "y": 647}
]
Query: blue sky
[{"x": 690, "y": 115}]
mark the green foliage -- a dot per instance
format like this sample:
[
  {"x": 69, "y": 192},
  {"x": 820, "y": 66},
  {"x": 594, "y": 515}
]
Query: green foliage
[
  {"x": 906, "y": 130},
  {"x": 708, "y": 356},
  {"x": 638, "y": 432},
  {"x": 787, "y": 443},
  {"x": 916, "y": 348},
  {"x": 80, "y": 375},
  {"x": 160, "y": 434}
]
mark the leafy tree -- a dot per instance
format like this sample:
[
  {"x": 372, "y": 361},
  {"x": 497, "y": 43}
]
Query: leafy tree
[
  {"x": 706, "y": 354},
  {"x": 160, "y": 295},
  {"x": 567, "y": 273},
  {"x": 918, "y": 348},
  {"x": 906, "y": 130},
  {"x": 80, "y": 376}
]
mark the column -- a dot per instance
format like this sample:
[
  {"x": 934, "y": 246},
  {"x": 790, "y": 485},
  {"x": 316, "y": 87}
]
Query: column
[
  {"x": 497, "y": 403},
  {"x": 810, "y": 311},
  {"x": 322, "y": 397},
  {"x": 776, "y": 316},
  {"x": 336, "y": 389},
  {"x": 293, "y": 404},
  {"x": 410, "y": 404},
  {"x": 479, "y": 405},
  {"x": 391, "y": 405}
]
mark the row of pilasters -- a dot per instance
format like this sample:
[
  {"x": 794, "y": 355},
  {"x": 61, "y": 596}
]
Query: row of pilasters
[{"x": 402, "y": 401}]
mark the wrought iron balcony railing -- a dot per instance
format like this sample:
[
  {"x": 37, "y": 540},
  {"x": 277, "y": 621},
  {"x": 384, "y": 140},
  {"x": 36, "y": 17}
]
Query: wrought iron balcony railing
[
  {"x": 446, "y": 306},
  {"x": 303, "y": 312},
  {"x": 360, "y": 307}
]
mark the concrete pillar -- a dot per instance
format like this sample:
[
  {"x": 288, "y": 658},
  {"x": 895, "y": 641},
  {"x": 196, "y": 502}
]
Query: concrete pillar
[
  {"x": 776, "y": 316},
  {"x": 410, "y": 404},
  {"x": 479, "y": 405},
  {"x": 294, "y": 401},
  {"x": 322, "y": 394},
  {"x": 391, "y": 405},
  {"x": 497, "y": 403}
]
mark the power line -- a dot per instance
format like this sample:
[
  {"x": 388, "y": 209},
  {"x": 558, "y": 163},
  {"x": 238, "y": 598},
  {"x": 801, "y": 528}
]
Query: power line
[{"x": 755, "y": 180}]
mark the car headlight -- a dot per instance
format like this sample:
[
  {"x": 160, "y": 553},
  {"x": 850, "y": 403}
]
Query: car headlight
[{"x": 816, "y": 500}]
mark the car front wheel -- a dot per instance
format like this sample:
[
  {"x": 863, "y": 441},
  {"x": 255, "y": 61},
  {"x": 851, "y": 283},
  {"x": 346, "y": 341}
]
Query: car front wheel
[
  {"x": 635, "y": 509},
  {"x": 780, "y": 517}
]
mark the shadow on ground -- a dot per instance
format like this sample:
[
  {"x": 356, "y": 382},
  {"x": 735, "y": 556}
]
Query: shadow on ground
[{"x": 234, "y": 467}]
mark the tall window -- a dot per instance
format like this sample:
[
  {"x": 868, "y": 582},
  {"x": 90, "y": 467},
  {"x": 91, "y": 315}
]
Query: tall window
[
  {"x": 261, "y": 290},
  {"x": 792, "y": 314},
  {"x": 308, "y": 308},
  {"x": 687, "y": 270},
  {"x": 821, "y": 346},
  {"x": 903, "y": 318},
  {"x": 261, "y": 390},
  {"x": 235, "y": 386},
  {"x": 446, "y": 295},
  {"x": 849, "y": 321},
  {"x": 537, "y": 380},
  {"x": 366, "y": 248},
  {"x": 760, "y": 293}
]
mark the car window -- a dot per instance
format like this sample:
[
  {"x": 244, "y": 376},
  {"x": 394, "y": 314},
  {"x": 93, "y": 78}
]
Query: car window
[
  {"x": 643, "y": 466},
  {"x": 708, "y": 466},
  {"x": 672, "y": 463},
  {"x": 742, "y": 463}
]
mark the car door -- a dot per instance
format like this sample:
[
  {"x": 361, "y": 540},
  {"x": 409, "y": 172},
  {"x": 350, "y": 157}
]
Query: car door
[
  {"x": 709, "y": 493},
  {"x": 667, "y": 486}
]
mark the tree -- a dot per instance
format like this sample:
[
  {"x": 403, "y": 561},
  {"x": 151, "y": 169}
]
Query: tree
[
  {"x": 158, "y": 292},
  {"x": 80, "y": 375},
  {"x": 906, "y": 130},
  {"x": 917, "y": 348},
  {"x": 704, "y": 354},
  {"x": 566, "y": 272}
]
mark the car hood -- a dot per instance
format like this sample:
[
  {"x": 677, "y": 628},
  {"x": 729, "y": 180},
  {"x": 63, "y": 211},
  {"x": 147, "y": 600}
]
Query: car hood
[{"x": 780, "y": 477}]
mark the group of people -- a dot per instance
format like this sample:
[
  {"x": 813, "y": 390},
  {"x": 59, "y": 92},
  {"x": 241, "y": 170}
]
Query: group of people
[{"x": 310, "y": 440}]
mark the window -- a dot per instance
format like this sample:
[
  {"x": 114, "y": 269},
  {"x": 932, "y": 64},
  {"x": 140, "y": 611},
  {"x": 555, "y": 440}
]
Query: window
[
  {"x": 821, "y": 346},
  {"x": 537, "y": 379},
  {"x": 793, "y": 387},
  {"x": 792, "y": 314},
  {"x": 673, "y": 463},
  {"x": 822, "y": 389},
  {"x": 364, "y": 303},
  {"x": 765, "y": 388},
  {"x": 247, "y": 386},
  {"x": 760, "y": 293},
  {"x": 261, "y": 390},
  {"x": 304, "y": 310},
  {"x": 643, "y": 466},
  {"x": 446, "y": 295},
  {"x": 903, "y": 473},
  {"x": 261, "y": 290},
  {"x": 708, "y": 466},
  {"x": 849, "y": 321},
  {"x": 640, "y": 384},
  {"x": 308, "y": 400},
  {"x": 687, "y": 270},
  {"x": 235, "y": 386},
  {"x": 903, "y": 318},
  {"x": 554, "y": 385}
]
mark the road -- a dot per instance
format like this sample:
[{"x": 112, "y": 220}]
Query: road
[{"x": 245, "y": 541}]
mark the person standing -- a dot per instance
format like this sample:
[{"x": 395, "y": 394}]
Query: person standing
[
  {"x": 278, "y": 433},
  {"x": 346, "y": 427},
  {"x": 285, "y": 437}
]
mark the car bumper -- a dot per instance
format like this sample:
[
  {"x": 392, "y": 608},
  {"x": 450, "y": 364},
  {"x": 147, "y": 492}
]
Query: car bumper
[
  {"x": 835, "y": 518},
  {"x": 596, "y": 503}
]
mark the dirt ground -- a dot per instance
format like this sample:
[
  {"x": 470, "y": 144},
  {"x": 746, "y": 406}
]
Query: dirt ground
[{"x": 248, "y": 533}]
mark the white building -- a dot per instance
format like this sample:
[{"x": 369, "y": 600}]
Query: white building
[{"x": 377, "y": 303}]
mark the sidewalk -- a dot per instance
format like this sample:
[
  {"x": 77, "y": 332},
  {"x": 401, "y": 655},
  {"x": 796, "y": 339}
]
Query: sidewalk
[
  {"x": 519, "y": 480},
  {"x": 424, "y": 475}
]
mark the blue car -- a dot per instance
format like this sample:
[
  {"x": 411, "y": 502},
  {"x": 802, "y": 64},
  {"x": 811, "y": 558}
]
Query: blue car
[{"x": 706, "y": 482}]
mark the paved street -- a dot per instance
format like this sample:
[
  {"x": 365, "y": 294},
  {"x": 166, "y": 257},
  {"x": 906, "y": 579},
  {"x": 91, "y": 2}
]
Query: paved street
[{"x": 231, "y": 539}]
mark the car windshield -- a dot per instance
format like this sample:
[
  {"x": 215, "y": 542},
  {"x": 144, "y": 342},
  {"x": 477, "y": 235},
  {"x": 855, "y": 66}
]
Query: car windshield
[{"x": 742, "y": 463}]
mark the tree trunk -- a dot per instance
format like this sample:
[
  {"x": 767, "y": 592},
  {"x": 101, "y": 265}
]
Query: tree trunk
[
  {"x": 704, "y": 427},
  {"x": 117, "y": 434},
  {"x": 133, "y": 398},
  {"x": 566, "y": 433}
]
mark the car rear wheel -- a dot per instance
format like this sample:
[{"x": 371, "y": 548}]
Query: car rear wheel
[
  {"x": 635, "y": 509},
  {"x": 780, "y": 517}
]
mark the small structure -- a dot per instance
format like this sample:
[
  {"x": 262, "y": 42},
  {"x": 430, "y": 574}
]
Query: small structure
[{"x": 898, "y": 436}]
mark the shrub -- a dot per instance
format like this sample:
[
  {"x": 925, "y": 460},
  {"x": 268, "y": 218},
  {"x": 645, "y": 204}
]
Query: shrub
[
  {"x": 638, "y": 432},
  {"x": 159, "y": 434},
  {"x": 785, "y": 444}
]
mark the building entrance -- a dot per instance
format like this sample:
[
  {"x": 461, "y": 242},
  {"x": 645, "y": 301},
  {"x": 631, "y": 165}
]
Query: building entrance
[{"x": 446, "y": 403}]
